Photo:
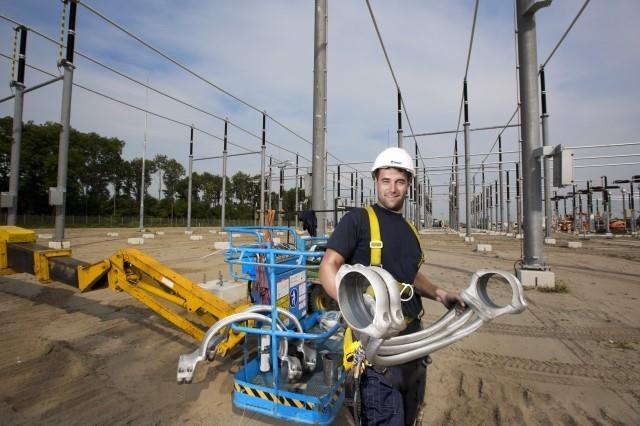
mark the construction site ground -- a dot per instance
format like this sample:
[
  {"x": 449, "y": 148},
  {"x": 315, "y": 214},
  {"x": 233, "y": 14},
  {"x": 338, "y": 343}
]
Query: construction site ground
[{"x": 103, "y": 358}]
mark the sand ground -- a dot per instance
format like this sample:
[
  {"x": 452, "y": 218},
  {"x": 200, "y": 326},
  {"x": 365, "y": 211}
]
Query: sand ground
[{"x": 103, "y": 358}]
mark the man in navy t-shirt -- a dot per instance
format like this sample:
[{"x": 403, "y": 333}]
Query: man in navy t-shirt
[{"x": 392, "y": 395}]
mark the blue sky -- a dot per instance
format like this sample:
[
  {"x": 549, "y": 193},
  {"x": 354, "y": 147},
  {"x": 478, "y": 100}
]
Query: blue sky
[{"x": 262, "y": 52}]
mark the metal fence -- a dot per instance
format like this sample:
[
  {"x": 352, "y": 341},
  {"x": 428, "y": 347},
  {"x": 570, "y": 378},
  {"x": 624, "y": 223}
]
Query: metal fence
[{"x": 48, "y": 221}]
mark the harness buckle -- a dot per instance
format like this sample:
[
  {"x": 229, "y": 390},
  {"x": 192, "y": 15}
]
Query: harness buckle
[{"x": 375, "y": 244}]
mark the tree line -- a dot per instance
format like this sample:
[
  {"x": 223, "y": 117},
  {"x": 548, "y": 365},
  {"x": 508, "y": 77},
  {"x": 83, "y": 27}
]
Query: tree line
[{"x": 101, "y": 182}]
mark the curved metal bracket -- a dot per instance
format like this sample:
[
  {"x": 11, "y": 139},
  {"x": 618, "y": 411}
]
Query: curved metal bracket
[{"x": 383, "y": 349}]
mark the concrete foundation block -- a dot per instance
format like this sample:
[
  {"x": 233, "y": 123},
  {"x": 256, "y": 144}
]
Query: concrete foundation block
[
  {"x": 608, "y": 235},
  {"x": 221, "y": 245},
  {"x": 519, "y": 236},
  {"x": 148, "y": 236},
  {"x": 468, "y": 239},
  {"x": 275, "y": 240},
  {"x": 112, "y": 234},
  {"x": 550, "y": 241},
  {"x": 195, "y": 237},
  {"x": 235, "y": 235},
  {"x": 188, "y": 232},
  {"x": 280, "y": 233},
  {"x": 45, "y": 236},
  {"x": 509, "y": 234},
  {"x": 59, "y": 245},
  {"x": 213, "y": 231},
  {"x": 574, "y": 244},
  {"x": 135, "y": 241},
  {"x": 533, "y": 279},
  {"x": 483, "y": 248},
  {"x": 159, "y": 232}
]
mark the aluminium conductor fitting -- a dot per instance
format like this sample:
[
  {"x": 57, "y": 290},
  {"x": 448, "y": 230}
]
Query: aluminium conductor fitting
[{"x": 378, "y": 319}]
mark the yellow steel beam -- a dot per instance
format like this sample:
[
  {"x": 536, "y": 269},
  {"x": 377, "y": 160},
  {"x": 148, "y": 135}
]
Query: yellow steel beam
[
  {"x": 196, "y": 298},
  {"x": 146, "y": 279},
  {"x": 41, "y": 262},
  {"x": 88, "y": 275},
  {"x": 12, "y": 234}
]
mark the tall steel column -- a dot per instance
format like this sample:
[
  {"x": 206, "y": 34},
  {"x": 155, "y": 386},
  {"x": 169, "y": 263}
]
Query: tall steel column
[
  {"x": 319, "y": 113},
  {"x": 58, "y": 195},
  {"x": 190, "y": 181},
  {"x": 518, "y": 200},
  {"x": 297, "y": 207},
  {"x": 263, "y": 149},
  {"x": 416, "y": 205},
  {"x": 143, "y": 181},
  {"x": 224, "y": 177},
  {"x": 489, "y": 201},
  {"x": 269, "y": 183},
  {"x": 483, "y": 201},
  {"x": 456, "y": 204},
  {"x": 467, "y": 160},
  {"x": 351, "y": 199},
  {"x": 508, "y": 205},
  {"x": 18, "y": 106},
  {"x": 590, "y": 227},
  {"x": 533, "y": 256},
  {"x": 400, "y": 142},
  {"x": 355, "y": 191},
  {"x": 632, "y": 207},
  {"x": 280, "y": 195},
  {"x": 547, "y": 161},
  {"x": 497, "y": 205},
  {"x": 573, "y": 208},
  {"x": 500, "y": 181},
  {"x": 606, "y": 204}
]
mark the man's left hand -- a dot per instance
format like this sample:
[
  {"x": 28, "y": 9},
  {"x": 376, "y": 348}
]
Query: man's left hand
[{"x": 450, "y": 299}]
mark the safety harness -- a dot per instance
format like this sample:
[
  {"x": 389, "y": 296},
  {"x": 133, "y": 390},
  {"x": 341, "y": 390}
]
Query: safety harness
[
  {"x": 376, "y": 244},
  {"x": 353, "y": 353},
  {"x": 351, "y": 344}
]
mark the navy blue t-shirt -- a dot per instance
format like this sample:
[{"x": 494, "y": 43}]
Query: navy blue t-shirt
[{"x": 401, "y": 252}]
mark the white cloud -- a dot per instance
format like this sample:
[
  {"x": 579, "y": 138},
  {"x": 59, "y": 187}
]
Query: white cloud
[{"x": 262, "y": 52}]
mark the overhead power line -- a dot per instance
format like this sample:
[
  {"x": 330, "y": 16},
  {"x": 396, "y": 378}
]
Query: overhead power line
[
  {"x": 155, "y": 114},
  {"x": 87, "y": 57},
  {"x": 393, "y": 75},
  {"x": 473, "y": 129},
  {"x": 466, "y": 67},
  {"x": 187, "y": 69},
  {"x": 544, "y": 64}
]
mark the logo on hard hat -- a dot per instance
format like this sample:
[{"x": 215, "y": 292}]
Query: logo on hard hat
[{"x": 396, "y": 162}]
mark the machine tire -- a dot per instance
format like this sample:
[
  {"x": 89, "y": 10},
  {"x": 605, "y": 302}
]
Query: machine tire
[{"x": 320, "y": 300}]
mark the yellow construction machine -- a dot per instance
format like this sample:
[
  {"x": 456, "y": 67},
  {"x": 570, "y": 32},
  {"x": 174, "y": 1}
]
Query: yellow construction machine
[{"x": 172, "y": 296}]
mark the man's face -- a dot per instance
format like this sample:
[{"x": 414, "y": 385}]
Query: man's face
[{"x": 392, "y": 186}]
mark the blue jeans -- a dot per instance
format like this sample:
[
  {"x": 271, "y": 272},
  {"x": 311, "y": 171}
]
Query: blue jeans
[{"x": 393, "y": 395}]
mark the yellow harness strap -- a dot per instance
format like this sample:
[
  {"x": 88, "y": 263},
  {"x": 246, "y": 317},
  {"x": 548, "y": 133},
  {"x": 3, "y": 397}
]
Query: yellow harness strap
[
  {"x": 415, "y": 232},
  {"x": 376, "y": 243}
]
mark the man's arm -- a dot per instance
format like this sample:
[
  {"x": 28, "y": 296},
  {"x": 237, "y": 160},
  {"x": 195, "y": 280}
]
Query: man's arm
[
  {"x": 331, "y": 262},
  {"x": 426, "y": 288}
]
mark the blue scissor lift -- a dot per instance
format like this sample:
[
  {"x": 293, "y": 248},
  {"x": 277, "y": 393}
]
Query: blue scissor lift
[{"x": 306, "y": 400}]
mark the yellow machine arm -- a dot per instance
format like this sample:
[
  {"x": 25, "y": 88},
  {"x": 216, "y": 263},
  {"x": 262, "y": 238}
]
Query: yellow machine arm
[{"x": 144, "y": 278}]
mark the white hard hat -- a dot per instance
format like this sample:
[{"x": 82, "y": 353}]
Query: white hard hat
[{"x": 394, "y": 157}]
